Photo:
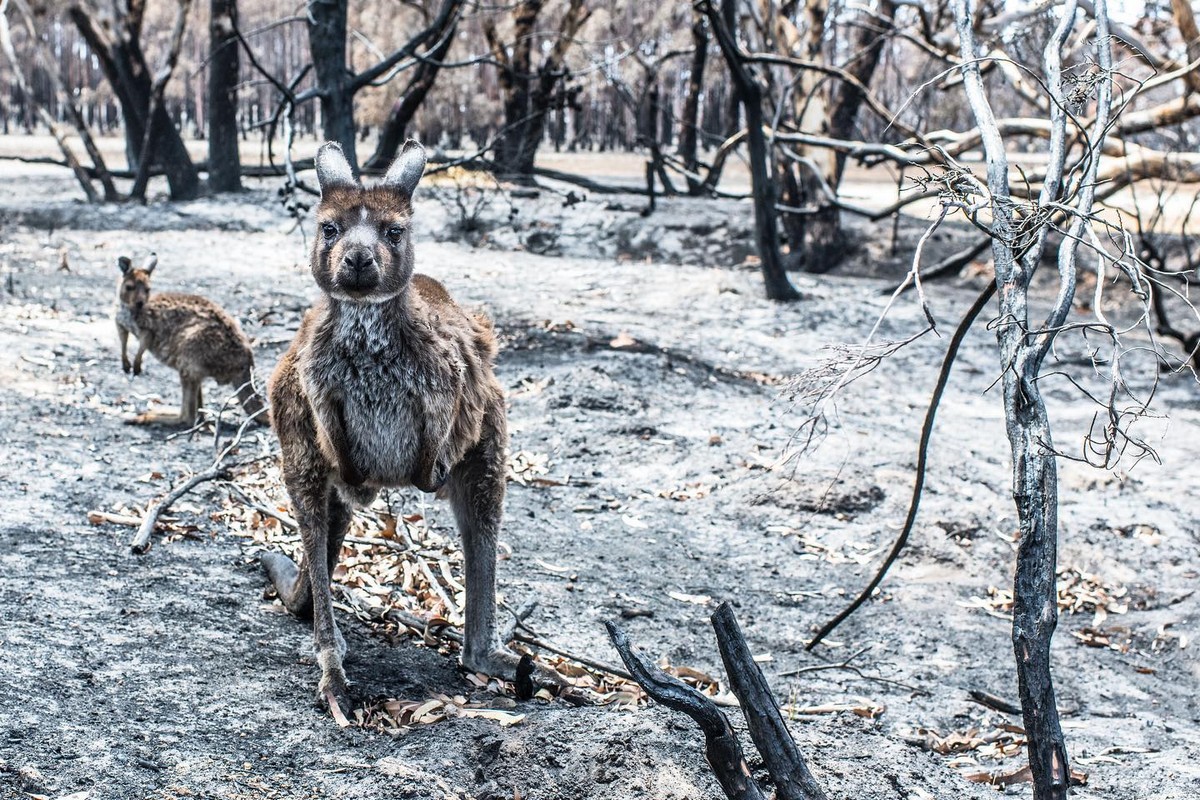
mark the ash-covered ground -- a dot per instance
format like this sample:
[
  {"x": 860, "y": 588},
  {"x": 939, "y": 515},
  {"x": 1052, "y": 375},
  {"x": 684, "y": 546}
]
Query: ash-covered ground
[{"x": 171, "y": 675}]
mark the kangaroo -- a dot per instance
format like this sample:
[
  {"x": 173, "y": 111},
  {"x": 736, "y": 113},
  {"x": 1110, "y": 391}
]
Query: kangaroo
[
  {"x": 388, "y": 382},
  {"x": 188, "y": 333}
]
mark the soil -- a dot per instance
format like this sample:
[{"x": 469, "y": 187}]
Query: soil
[{"x": 172, "y": 675}]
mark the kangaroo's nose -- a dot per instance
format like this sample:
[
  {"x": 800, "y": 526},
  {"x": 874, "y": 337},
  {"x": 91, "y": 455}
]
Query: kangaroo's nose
[{"x": 359, "y": 260}]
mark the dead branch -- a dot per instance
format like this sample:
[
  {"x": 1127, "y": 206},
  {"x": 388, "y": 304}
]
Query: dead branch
[
  {"x": 914, "y": 505},
  {"x": 140, "y": 544},
  {"x": 722, "y": 749},
  {"x": 793, "y": 781},
  {"x": 994, "y": 702}
]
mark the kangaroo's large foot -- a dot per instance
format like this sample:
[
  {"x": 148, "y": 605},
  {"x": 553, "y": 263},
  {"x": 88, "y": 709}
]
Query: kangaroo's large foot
[{"x": 332, "y": 690}]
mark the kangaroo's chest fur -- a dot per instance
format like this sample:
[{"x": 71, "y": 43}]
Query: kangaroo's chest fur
[{"x": 387, "y": 384}]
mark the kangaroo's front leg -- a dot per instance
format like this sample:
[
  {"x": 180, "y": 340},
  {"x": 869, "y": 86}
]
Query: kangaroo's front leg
[
  {"x": 137, "y": 358},
  {"x": 123, "y": 336}
]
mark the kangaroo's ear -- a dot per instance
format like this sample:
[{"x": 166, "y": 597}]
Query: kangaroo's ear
[
  {"x": 406, "y": 170},
  {"x": 333, "y": 169},
  {"x": 124, "y": 263},
  {"x": 151, "y": 263}
]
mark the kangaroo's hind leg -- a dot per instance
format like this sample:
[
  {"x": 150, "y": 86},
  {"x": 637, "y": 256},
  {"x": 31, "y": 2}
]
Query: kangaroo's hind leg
[{"x": 476, "y": 493}]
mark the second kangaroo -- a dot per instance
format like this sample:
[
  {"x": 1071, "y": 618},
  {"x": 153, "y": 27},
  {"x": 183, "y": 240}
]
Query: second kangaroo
[
  {"x": 387, "y": 383},
  {"x": 188, "y": 333}
]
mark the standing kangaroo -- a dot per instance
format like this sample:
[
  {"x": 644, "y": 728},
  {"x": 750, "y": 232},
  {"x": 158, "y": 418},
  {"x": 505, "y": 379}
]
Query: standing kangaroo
[
  {"x": 188, "y": 333},
  {"x": 388, "y": 382}
]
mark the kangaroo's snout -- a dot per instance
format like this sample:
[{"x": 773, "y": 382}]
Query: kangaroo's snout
[{"x": 359, "y": 271}]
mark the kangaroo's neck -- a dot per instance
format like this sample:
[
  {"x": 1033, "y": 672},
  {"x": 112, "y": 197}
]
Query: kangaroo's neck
[{"x": 374, "y": 326}]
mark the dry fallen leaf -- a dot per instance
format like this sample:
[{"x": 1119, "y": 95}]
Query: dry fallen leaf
[
  {"x": 698, "y": 599},
  {"x": 622, "y": 340}
]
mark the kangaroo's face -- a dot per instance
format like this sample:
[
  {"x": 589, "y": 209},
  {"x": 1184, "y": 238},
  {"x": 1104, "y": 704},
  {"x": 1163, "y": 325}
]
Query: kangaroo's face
[
  {"x": 362, "y": 251},
  {"x": 134, "y": 289}
]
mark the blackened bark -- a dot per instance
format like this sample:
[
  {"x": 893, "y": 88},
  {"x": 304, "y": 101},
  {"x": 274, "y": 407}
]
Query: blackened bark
[
  {"x": 1035, "y": 594},
  {"x": 124, "y": 66},
  {"x": 400, "y": 117},
  {"x": 791, "y": 775},
  {"x": 689, "y": 122},
  {"x": 224, "y": 162},
  {"x": 327, "y": 45},
  {"x": 722, "y": 749},
  {"x": 749, "y": 92}
]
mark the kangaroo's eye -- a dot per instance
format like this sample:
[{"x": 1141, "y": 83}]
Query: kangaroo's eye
[
  {"x": 395, "y": 234},
  {"x": 329, "y": 230}
]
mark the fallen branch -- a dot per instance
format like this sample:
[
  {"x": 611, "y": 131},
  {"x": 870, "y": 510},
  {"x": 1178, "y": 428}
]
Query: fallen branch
[
  {"x": 140, "y": 544},
  {"x": 722, "y": 749},
  {"x": 791, "y": 775},
  {"x": 922, "y": 459},
  {"x": 994, "y": 702},
  {"x": 587, "y": 183},
  {"x": 847, "y": 665}
]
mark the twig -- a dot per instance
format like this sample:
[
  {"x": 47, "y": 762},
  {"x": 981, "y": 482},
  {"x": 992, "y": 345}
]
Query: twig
[
  {"x": 591, "y": 663},
  {"x": 994, "y": 702},
  {"x": 793, "y": 781},
  {"x": 722, "y": 749},
  {"x": 436, "y": 585},
  {"x": 845, "y": 664},
  {"x": 922, "y": 458}
]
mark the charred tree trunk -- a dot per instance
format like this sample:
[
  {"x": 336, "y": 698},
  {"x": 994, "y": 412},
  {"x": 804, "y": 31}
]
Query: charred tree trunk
[
  {"x": 689, "y": 123},
  {"x": 400, "y": 117},
  {"x": 749, "y": 92},
  {"x": 529, "y": 97},
  {"x": 516, "y": 85},
  {"x": 817, "y": 241},
  {"x": 789, "y": 771},
  {"x": 722, "y": 749},
  {"x": 327, "y": 45},
  {"x": 224, "y": 162},
  {"x": 117, "y": 48},
  {"x": 1023, "y": 347}
]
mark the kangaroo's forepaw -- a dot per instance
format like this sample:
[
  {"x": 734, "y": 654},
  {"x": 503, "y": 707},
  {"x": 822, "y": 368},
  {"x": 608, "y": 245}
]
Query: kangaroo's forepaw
[{"x": 433, "y": 481}]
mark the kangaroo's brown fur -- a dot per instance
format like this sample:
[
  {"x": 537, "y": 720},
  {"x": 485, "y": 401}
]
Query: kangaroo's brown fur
[
  {"x": 188, "y": 333},
  {"x": 387, "y": 383}
]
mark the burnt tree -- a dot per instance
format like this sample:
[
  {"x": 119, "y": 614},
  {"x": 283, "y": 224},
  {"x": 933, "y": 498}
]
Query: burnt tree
[
  {"x": 750, "y": 93},
  {"x": 413, "y": 95},
  {"x": 689, "y": 123},
  {"x": 224, "y": 162},
  {"x": 529, "y": 95},
  {"x": 114, "y": 37}
]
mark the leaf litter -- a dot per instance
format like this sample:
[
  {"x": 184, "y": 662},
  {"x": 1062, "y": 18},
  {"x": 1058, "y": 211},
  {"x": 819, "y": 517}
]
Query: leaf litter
[{"x": 397, "y": 570}]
